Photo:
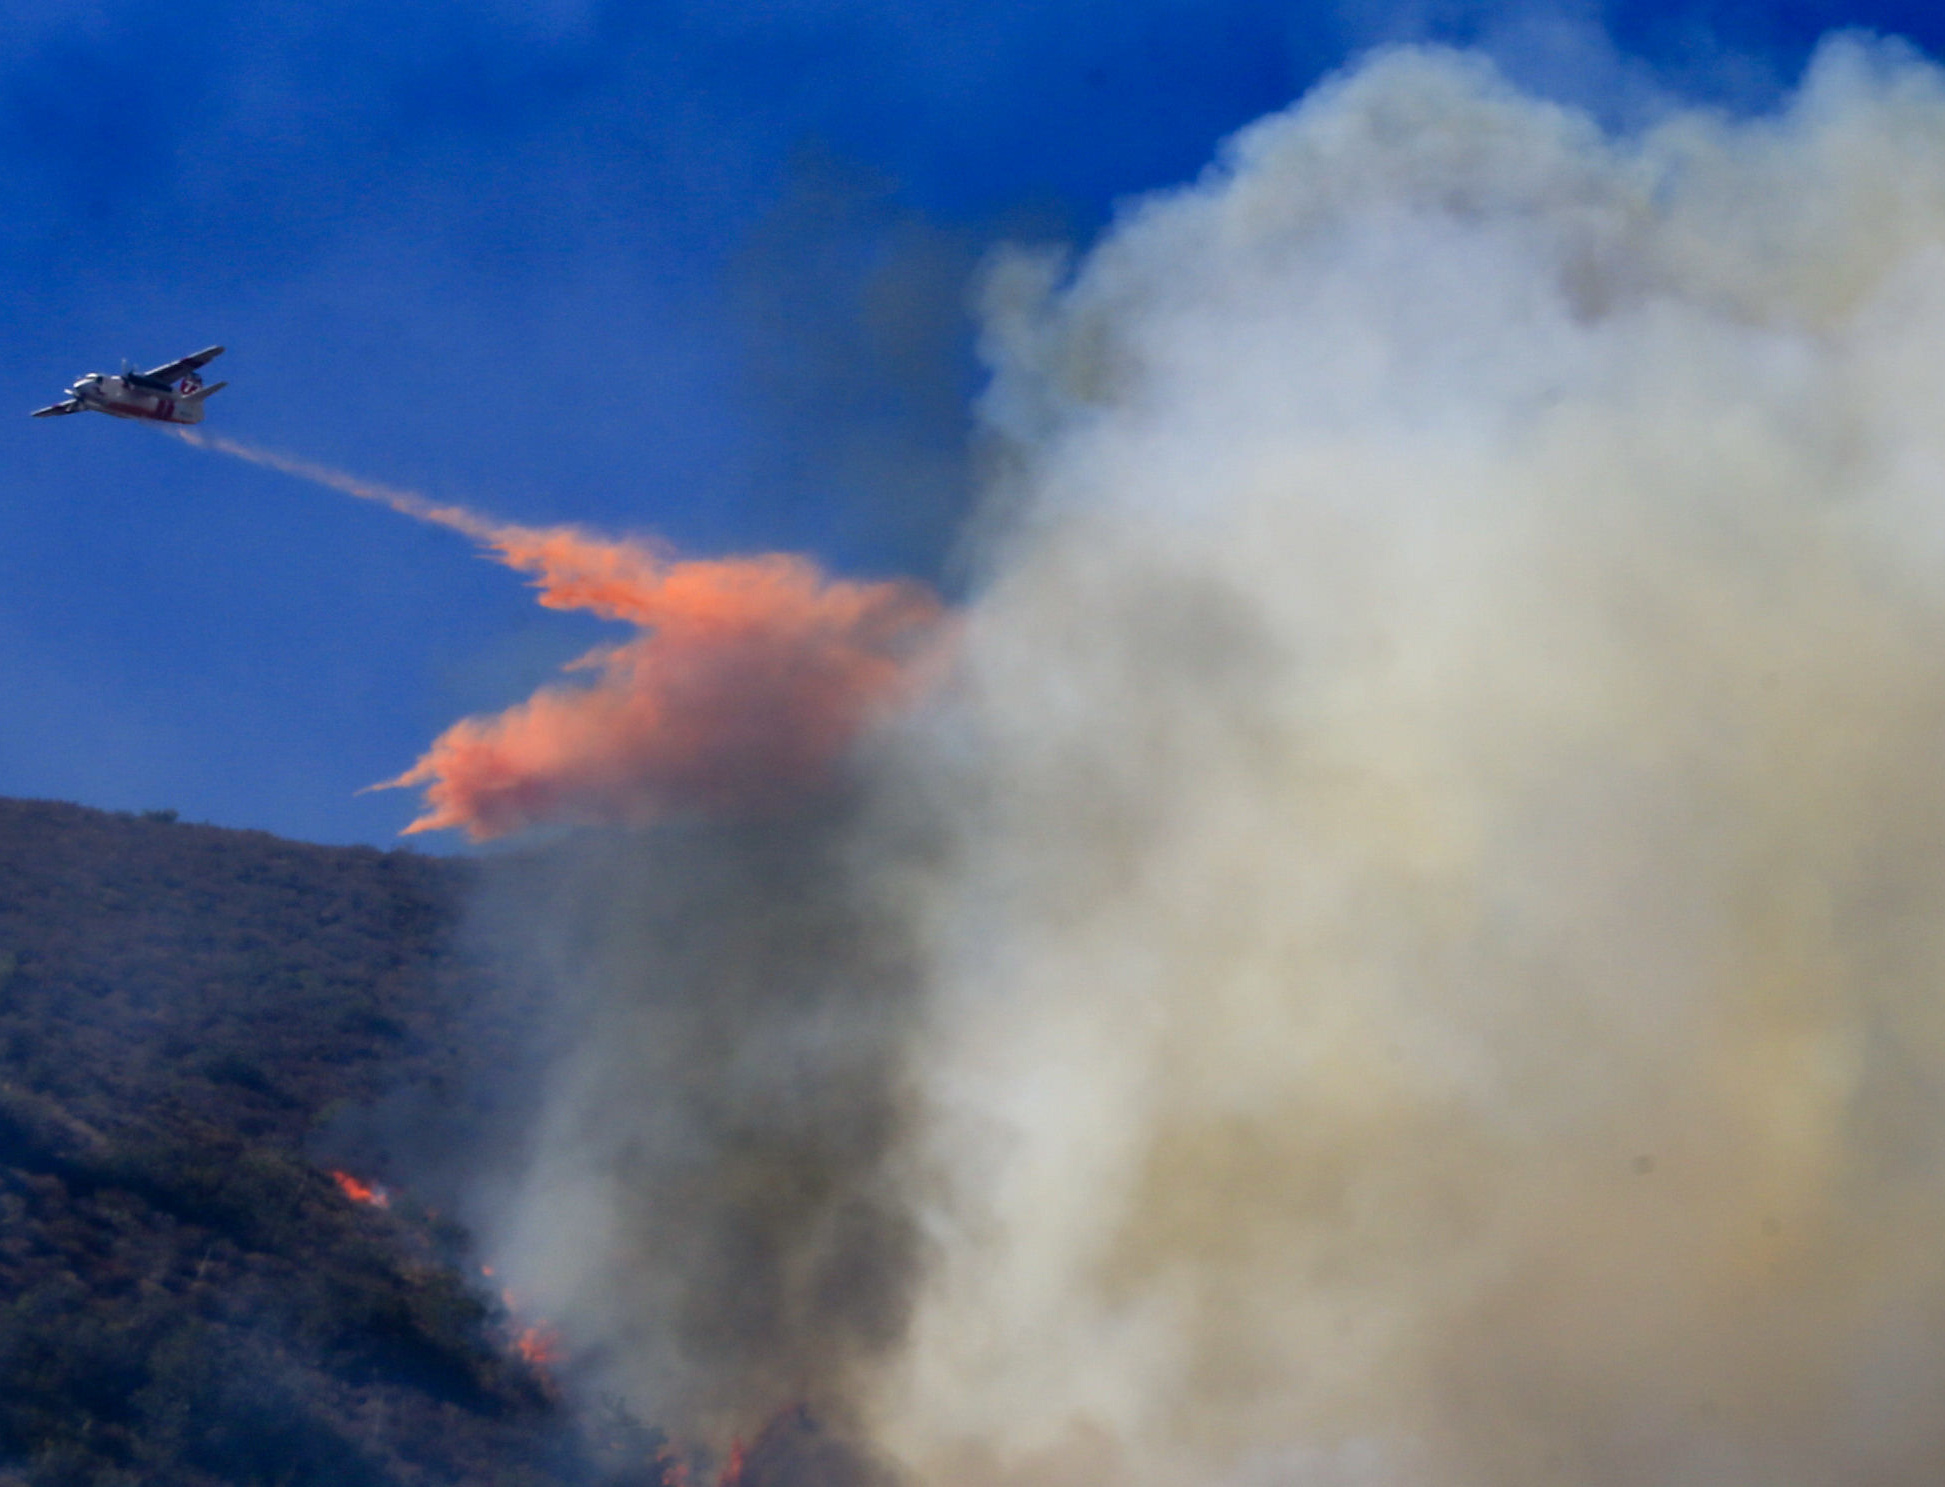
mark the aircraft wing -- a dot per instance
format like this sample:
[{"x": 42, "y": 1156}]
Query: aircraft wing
[
  {"x": 170, "y": 370},
  {"x": 55, "y": 410}
]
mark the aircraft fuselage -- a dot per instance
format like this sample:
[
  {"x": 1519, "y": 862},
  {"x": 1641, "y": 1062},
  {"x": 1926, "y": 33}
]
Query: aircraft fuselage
[{"x": 126, "y": 397}]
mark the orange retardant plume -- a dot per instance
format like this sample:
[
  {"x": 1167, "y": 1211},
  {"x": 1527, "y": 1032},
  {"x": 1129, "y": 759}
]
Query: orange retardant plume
[
  {"x": 751, "y": 678},
  {"x": 361, "y": 1192}
]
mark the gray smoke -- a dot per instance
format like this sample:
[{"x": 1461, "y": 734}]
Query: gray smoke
[
  {"x": 702, "y": 1205},
  {"x": 1412, "y": 948}
]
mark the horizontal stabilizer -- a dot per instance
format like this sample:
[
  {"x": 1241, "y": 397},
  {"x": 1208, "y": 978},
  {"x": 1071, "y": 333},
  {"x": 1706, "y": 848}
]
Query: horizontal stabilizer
[
  {"x": 55, "y": 410},
  {"x": 202, "y": 392}
]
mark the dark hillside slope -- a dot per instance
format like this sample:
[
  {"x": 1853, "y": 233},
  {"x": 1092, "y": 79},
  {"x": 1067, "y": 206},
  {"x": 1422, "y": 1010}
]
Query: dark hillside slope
[
  {"x": 186, "y": 1297},
  {"x": 155, "y": 970}
]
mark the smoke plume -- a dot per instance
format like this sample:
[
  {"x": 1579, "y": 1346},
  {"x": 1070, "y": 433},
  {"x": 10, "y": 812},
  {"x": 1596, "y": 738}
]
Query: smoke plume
[
  {"x": 703, "y": 1196},
  {"x": 1410, "y": 946},
  {"x": 1434, "y": 973},
  {"x": 750, "y": 679}
]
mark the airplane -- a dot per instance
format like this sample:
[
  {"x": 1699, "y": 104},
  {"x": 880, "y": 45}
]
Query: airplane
[{"x": 172, "y": 393}]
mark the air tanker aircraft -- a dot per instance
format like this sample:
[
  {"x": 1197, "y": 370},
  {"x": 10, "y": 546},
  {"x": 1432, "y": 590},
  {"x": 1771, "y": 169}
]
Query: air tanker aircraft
[{"x": 172, "y": 393}]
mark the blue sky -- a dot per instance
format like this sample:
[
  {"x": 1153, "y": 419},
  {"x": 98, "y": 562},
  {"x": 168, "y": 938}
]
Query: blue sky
[{"x": 693, "y": 269}]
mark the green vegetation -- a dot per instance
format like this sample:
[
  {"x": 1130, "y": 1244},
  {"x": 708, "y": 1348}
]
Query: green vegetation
[{"x": 186, "y": 1296}]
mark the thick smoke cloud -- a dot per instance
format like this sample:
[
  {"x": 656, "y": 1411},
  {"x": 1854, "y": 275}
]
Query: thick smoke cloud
[
  {"x": 1437, "y": 972},
  {"x": 1408, "y": 948}
]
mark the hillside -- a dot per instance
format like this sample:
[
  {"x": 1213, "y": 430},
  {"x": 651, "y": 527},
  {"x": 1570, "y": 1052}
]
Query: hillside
[{"x": 187, "y": 1295}]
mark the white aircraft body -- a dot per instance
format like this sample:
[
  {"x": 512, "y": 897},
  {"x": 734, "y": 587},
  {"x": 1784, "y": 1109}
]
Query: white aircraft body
[{"x": 172, "y": 393}]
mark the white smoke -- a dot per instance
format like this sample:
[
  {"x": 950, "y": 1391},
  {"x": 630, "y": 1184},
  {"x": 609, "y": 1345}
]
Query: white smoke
[{"x": 1436, "y": 970}]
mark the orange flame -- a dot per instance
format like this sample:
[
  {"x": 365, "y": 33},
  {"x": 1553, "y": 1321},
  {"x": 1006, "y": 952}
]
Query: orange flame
[
  {"x": 366, "y": 1193},
  {"x": 538, "y": 1345},
  {"x": 674, "y": 1471},
  {"x": 732, "y": 1475}
]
